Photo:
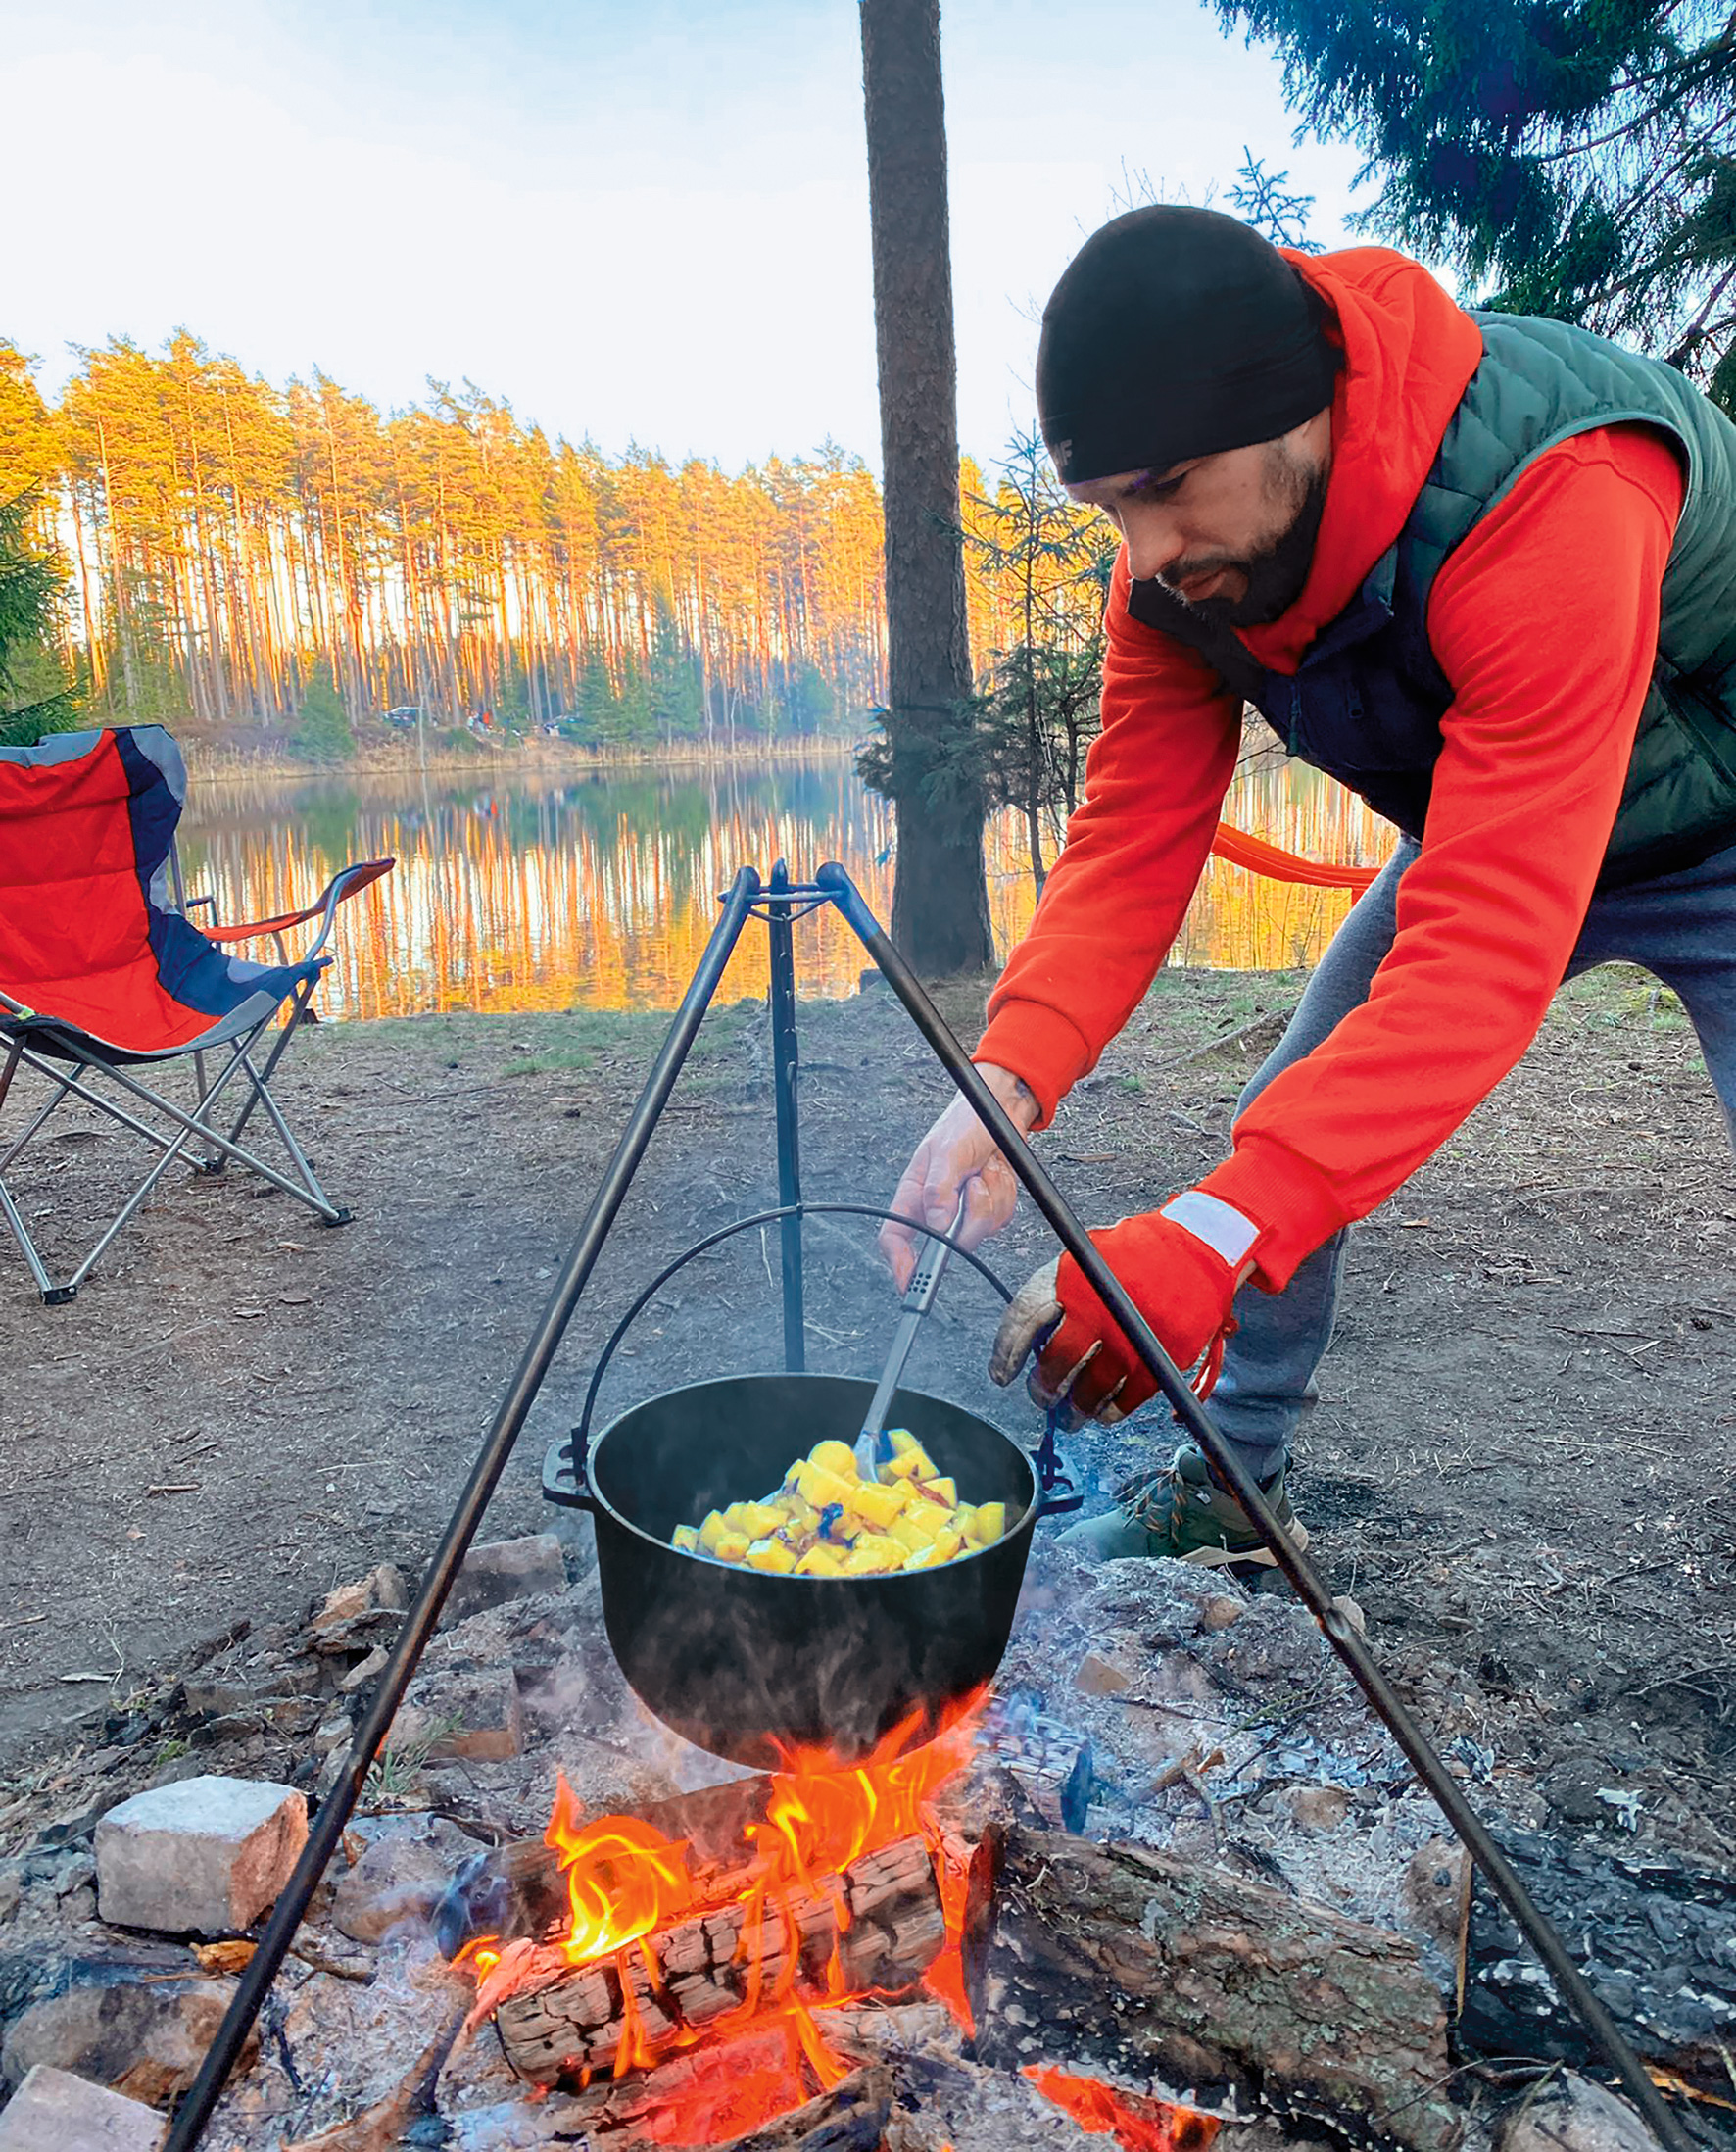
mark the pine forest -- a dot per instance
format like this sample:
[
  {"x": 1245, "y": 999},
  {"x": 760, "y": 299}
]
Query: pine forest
[{"x": 245, "y": 557}]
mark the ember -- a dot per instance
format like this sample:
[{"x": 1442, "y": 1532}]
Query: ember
[
  {"x": 1138, "y": 2124},
  {"x": 849, "y": 1892}
]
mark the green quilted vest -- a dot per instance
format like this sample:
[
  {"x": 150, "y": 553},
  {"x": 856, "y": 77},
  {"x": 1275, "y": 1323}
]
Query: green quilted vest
[{"x": 1366, "y": 702}]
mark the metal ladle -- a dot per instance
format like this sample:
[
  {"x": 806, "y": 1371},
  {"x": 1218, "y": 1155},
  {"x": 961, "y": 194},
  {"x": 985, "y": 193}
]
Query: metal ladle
[{"x": 919, "y": 1297}]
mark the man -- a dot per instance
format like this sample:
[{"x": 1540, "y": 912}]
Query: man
[{"x": 1482, "y": 569}]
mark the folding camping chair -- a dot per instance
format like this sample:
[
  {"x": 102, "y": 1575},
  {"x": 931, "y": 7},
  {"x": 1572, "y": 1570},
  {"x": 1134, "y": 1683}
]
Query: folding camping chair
[{"x": 101, "y": 972}]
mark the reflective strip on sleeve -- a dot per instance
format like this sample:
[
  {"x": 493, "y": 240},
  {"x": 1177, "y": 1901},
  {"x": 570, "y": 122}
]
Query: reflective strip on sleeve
[{"x": 1219, "y": 1225}]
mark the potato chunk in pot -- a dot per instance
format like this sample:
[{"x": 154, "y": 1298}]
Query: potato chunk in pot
[{"x": 826, "y": 1521}]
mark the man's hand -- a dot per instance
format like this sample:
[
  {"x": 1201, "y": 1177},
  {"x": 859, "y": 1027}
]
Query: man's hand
[
  {"x": 1180, "y": 1282},
  {"x": 958, "y": 1157}
]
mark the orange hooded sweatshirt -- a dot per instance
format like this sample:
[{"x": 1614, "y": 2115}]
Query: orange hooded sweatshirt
[{"x": 1544, "y": 620}]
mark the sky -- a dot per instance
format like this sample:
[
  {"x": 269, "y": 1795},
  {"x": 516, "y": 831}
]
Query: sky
[{"x": 636, "y": 220}]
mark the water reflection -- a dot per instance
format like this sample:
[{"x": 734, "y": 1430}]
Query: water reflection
[{"x": 517, "y": 892}]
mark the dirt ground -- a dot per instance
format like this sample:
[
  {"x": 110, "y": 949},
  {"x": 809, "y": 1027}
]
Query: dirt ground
[{"x": 1519, "y": 1466}]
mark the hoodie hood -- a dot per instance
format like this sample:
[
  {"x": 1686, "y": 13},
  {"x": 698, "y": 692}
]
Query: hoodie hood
[{"x": 1409, "y": 351}]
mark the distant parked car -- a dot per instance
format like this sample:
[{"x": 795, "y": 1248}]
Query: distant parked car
[{"x": 406, "y": 717}]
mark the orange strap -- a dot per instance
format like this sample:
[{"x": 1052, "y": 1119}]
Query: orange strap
[{"x": 1272, "y": 860}]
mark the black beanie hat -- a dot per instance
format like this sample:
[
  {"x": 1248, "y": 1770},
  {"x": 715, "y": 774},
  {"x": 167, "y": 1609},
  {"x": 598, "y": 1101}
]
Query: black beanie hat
[{"x": 1175, "y": 332}]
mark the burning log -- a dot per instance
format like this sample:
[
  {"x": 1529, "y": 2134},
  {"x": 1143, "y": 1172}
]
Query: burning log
[
  {"x": 877, "y": 1925},
  {"x": 1128, "y": 1957},
  {"x": 518, "y": 1889}
]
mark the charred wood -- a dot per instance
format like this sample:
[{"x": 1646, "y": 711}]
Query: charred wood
[
  {"x": 877, "y": 1925},
  {"x": 1146, "y": 1964},
  {"x": 1656, "y": 1938}
]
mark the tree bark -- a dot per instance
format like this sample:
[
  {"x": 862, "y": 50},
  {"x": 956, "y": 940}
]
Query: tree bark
[
  {"x": 939, "y": 892},
  {"x": 881, "y": 1918},
  {"x": 1123, "y": 1955}
]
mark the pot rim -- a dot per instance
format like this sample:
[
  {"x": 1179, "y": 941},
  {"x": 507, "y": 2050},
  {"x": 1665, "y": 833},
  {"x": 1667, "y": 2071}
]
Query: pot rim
[{"x": 1026, "y": 1516}]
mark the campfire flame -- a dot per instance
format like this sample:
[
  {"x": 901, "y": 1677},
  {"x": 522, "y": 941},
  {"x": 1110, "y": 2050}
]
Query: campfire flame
[
  {"x": 1137, "y": 2123},
  {"x": 626, "y": 1880}
]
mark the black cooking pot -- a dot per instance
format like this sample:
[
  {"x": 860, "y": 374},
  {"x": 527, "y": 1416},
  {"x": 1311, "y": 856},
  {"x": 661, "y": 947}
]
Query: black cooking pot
[
  {"x": 750, "y": 1665},
  {"x": 742, "y": 1663}
]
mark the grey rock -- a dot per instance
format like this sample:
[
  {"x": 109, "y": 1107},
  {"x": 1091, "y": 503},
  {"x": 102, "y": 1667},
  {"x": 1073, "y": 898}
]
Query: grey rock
[
  {"x": 143, "y": 2037},
  {"x": 399, "y": 1877},
  {"x": 1317, "y": 1808},
  {"x": 209, "y": 1853},
  {"x": 1432, "y": 1891},
  {"x": 364, "y": 1672},
  {"x": 12, "y": 1890},
  {"x": 500, "y": 1570},
  {"x": 53, "y": 2111},
  {"x": 1572, "y": 2114},
  {"x": 470, "y": 1711},
  {"x": 77, "y": 1874}
]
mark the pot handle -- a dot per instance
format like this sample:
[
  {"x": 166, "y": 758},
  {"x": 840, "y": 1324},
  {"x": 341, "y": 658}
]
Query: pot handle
[
  {"x": 563, "y": 1467},
  {"x": 1056, "y": 1494}
]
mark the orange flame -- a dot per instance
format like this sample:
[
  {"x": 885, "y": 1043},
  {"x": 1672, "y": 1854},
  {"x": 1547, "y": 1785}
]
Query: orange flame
[
  {"x": 1137, "y": 2123},
  {"x": 625, "y": 1880}
]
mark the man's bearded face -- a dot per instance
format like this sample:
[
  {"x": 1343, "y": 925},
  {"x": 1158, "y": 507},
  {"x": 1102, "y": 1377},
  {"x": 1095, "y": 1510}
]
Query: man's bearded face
[{"x": 1231, "y": 534}]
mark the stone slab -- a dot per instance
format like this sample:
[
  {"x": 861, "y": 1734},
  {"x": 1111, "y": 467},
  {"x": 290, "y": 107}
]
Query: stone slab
[
  {"x": 53, "y": 2111},
  {"x": 205, "y": 1854},
  {"x": 500, "y": 1570}
]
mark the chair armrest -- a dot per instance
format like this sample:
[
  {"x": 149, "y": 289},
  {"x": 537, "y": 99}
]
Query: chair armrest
[{"x": 346, "y": 883}]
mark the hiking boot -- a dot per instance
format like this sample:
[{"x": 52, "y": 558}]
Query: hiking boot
[{"x": 1183, "y": 1514}]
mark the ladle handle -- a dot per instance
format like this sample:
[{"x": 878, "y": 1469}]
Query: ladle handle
[{"x": 919, "y": 1298}]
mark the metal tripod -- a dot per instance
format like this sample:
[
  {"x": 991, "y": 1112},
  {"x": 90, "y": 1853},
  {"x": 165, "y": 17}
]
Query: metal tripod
[{"x": 780, "y": 902}]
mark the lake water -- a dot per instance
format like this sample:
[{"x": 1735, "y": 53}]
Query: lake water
[{"x": 517, "y": 890}]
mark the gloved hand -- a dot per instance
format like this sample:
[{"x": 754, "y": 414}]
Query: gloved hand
[{"x": 1181, "y": 1282}]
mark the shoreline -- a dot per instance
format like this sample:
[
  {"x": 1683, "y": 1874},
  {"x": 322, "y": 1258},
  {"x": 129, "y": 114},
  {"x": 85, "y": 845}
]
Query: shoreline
[{"x": 213, "y": 763}]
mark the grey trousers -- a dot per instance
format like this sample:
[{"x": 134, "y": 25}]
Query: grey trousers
[{"x": 1680, "y": 927}]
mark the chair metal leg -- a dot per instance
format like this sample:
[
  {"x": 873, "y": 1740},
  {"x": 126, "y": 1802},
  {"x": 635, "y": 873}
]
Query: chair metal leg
[
  {"x": 191, "y": 1128},
  {"x": 297, "y": 1009},
  {"x": 304, "y": 1166}
]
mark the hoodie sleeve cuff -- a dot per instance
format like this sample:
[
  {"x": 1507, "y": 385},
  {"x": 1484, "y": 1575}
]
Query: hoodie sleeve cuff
[
  {"x": 1040, "y": 1047},
  {"x": 1290, "y": 1199}
]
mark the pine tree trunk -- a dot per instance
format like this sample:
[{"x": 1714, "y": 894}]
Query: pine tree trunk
[{"x": 940, "y": 894}]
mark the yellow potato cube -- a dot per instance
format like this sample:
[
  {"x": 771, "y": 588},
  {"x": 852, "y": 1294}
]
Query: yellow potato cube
[
  {"x": 797, "y": 1517},
  {"x": 822, "y": 1561},
  {"x": 732, "y": 1546},
  {"x": 865, "y": 1560},
  {"x": 943, "y": 1491},
  {"x": 878, "y": 1506},
  {"x": 914, "y": 1528},
  {"x": 755, "y": 1519},
  {"x": 907, "y": 1468},
  {"x": 905, "y": 1444},
  {"x": 686, "y": 1539},
  {"x": 771, "y": 1554},
  {"x": 949, "y": 1544},
  {"x": 882, "y": 1548},
  {"x": 925, "y": 1557},
  {"x": 836, "y": 1457},
  {"x": 712, "y": 1530},
  {"x": 988, "y": 1524},
  {"x": 815, "y": 1484}
]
